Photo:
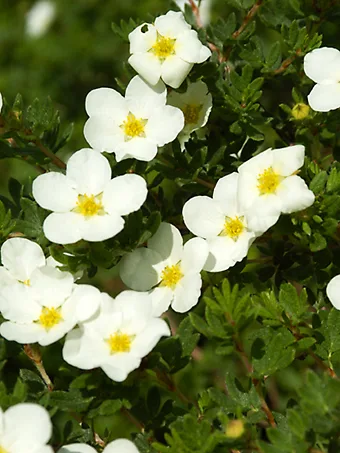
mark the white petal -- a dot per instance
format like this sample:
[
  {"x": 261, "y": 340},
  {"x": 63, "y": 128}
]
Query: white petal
[
  {"x": 27, "y": 425},
  {"x": 174, "y": 71},
  {"x": 263, "y": 214},
  {"x": 44, "y": 449},
  {"x": 203, "y": 217},
  {"x": 136, "y": 309},
  {"x": 80, "y": 350},
  {"x": 103, "y": 133},
  {"x": 142, "y": 41},
  {"x": 21, "y": 333},
  {"x": 87, "y": 300},
  {"x": 121, "y": 446},
  {"x": 137, "y": 148},
  {"x": 21, "y": 256},
  {"x": 91, "y": 171},
  {"x": 106, "y": 102},
  {"x": 51, "y": 286},
  {"x": 195, "y": 254},
  {"x": 161, "y": 299},
  {"x": 187, "y": 293},
  {"x": 324, "y": 98},
  {"x": 140, "y": 269},
  {"x": 258, "y": 163},
  {"x": 294, "y": 194},
  {"x": 143, "y": 98},
  {"x": 168, "y": 242},
  {"x": 288, "y": 160},
  {"x": 188, "y": 46},
  {"x": 120, "y": 365},
  {"x": 323, "y": 65},
  {"x": 54, "y": 191},
  {"x": 18, "y": 304},
  {"x": 205, "y": 53},
  {"x": 125, "y": 194},
  {"x": 1, "y": 102},
  {"x": 76, "y": 448},
  {"x": 333, "y": 291},
  {"x": 172, "y": 24},
  {"x": 6, "y": 277},
  {"x": 164, "y": 125},
  {"x": 101, "y": 227},
  {"x": 225, "y": 194},
  {"x": 147, "y": 65},
  {"x": 56, "y": 332},
  {"x": 63, "y": 228},
  {"x": 147, "y": 340}
]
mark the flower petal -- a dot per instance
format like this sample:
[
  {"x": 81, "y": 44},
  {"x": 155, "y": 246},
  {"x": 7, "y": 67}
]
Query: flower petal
[
  {"x": 168, "y": 242},
  {"x": 142, "y": 41},
  {"x": 80, "y": 350},
  {"x": 143, "y": 98},
  {"x": 225, "y": 194},
  {"x": 140, "y": 269},
  {"x": 125, "y": 194},
  {"x": 323, "y": 65},
  {"x": 171, "y": 25},
  {"x": 294, "y": 194},
  {"x": 174, "y": 71},
  {"x": 120, "y": 365},
  {"x": 86, "y": 299},
  {"x": 203, "y": 217},
  {"x": 263, "y": 214},
  {"x": 324, "y": 98},
  {"x": 288, "y": 160},
  {"x": 18, "y": 304},
  {"x": 51, "y": 286},
  {"x": 21, "y": 256},
  {"x": 147, "y": 65},
  {"x": 188, "y": 46},
  {"x": 21, "y": 333},
  {"x": 54, "y": 191},
  {"x": 333, "y": 291},
  {"x": 121, "y": 446},
  {"x": 105, "y": 102},
  {"x": 187, "y": 293},
  {"x": 149, "y": 337},
  {"x": 103, "y": 133},
  {"x": 76, "y": 448},
  {"x": 56, "y": 332},
  {"x": 195, "y": 254},
  {"x": 137, "y": 148},
  {"x": 164, "y": 125},
  {"x": 63, "y": 228},
  {"x": 161, "y": 299},
  {"x": 91, "y": 171},
  {"x": 101, "y": 227}
]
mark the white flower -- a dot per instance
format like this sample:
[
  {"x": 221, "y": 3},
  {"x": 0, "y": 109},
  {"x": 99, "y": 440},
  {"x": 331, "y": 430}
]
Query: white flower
[
  {"x": 268, "y": 186},
  {"x": 222, "y": 223},
  {"x": 39, "y": 18},
  {"x": 134, "y": 126},
  {"x": 204, "y": 9},
  {"x": 117, "y": 446},
  {"x": 166, "y": 49},
  {"x": 87, "y": 203},
  {"x": 170, "y": 265},
  {"x": 25, "y": 428},
  {"x": 323, "y": 67},
  {"x": 1, "y": 102},
  {"x": 196, "y": 105},
  {"x": 116, "y": 339},
  {"x": 333, "y": 291}
]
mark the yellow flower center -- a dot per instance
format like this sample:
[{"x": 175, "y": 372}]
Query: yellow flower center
[
  {"x": 119, "y": 342},
  {"x": 171, "y": 275},
  {"x": 49, "y": 318},
  {"x": 191, "y": 113},
  {"x": 89, "y": 205},
  {"x": 133, "y": 127},
  {"x": 233, "y": 227},
  {"x": 268, "y": 181},
  {"x": 2, "y": 450},
  {"x": 27, "y": 283},
  {"x": 164, "y": 47}
]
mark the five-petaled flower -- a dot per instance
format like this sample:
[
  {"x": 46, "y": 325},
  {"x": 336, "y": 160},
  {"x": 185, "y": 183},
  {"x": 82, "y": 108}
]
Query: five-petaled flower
[
  {"x": 169, "y": 269},
  {"x": 196, "y": 105},
  {"x": 323, "y": 67},
  {"x": 268, "y": 186},
  {"x": 333, "y": 291},
  {"x": 117, "y": 446},
  {"x": 166, "y": 49},
  {"x": 134, "y": 126},
  {"x": 87, "y": 203},
  {"x": 116, "y": 339},
  {"x": 222, "y": 223}
]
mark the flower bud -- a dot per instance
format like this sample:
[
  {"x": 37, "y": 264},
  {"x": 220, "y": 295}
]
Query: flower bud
[
  {"x": 300, "y": 111},
  {"x": 234, "y": 429}
]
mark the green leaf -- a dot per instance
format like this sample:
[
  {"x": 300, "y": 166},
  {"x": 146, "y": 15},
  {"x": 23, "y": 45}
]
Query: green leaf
[{"x": 318, "y": 182}]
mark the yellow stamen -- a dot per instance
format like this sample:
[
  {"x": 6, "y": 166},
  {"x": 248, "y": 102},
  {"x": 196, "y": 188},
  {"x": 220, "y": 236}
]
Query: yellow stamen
[
  {"x": 133, "y": 127},
  {"x": 233, "y": 227},
  {"x": 2, "y": 450},
  {"x": 164, "y": 47},
  {"x": 191, "y": 113},
  {"x": 27, "y": 283},
  {"x": 89, "y": 205},
  {"x": 268, "y": 181},
  {"x": 49, "y": 318},
  {"x": 171, "y": 275},
  {"x": 119, "y": 342}
]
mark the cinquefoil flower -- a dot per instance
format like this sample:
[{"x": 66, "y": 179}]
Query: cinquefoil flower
[
  {"x": 166, "y": 49},
  {"x": 87, "y": 203},
  {"x": 196, "y": 105},
  {"x": 116, "y": 339},
  {"x": 117, "y": 446},
  {"x": 134, "y": 126},
  {"x": 222, "y": 223},
  {"x": 268, "y": 186},
  {"x": 40, "y": 17},
  {"x": 333, "y": 291},
  {"x": 323, "y": 67},
  {"x": 166, "y": 263},
  {"x": 25, "y": 428}
]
